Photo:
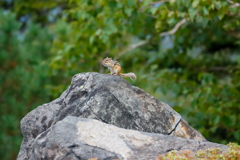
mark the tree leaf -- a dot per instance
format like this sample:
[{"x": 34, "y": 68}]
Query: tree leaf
[
  {"x": 205, "y": 22},
  {"x": 195, "y": 3},
  {"x": 205, "y": 11},
  {"x": 192, "y": 13}
]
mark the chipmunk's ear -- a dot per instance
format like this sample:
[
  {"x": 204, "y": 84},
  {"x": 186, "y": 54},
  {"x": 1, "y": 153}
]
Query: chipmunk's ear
[{"x": 110, "y": 58}]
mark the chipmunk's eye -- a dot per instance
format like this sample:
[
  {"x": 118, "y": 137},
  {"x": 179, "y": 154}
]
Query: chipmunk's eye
[{"x": 106, "y": 60}]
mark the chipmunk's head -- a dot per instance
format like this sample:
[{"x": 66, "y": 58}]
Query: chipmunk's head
[{"x": 108, "y": 62}]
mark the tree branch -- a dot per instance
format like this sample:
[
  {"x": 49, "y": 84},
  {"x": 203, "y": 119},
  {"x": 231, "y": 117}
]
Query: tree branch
[
  {"x": 130, "y": 48},
  {"x": 134, "y": 46},
  {"x": 179, "y": 24},
  {"x": 233, "y": 4},
  {"x": 229, "y": 1}
]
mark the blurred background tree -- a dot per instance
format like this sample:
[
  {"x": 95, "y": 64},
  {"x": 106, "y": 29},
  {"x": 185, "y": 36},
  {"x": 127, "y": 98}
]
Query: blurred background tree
[
  {"x": 23, "y": 75},
  {"x": 184, "y": 52}
]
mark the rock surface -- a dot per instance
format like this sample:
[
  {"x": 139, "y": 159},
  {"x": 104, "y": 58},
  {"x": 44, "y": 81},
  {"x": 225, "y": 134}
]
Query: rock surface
[
  {"x": 109, "y": 99},
  {"x": 79, "y": 138}
]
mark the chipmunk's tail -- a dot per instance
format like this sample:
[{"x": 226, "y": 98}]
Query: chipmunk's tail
[{"x": 131, "y": 75}]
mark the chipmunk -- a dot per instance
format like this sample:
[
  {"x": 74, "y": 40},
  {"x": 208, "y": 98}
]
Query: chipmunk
[{"x": 115, "y": 68}]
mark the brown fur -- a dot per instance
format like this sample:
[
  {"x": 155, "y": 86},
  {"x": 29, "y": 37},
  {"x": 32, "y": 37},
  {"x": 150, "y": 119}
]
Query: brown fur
[{"x": 115, "y": 68}]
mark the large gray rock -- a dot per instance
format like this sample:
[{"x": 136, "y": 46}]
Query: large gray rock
[
  {"x": 78, "y": 138},
  {"x": 109, "y": 99}
]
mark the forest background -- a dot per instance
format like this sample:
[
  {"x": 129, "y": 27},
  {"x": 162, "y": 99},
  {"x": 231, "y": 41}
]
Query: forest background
[{"x": 184, "y": 52}]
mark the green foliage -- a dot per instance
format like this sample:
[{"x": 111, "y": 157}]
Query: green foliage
[
  {"x": 23, "y": 75},
  {"x": 233, "y": 153},
  {"x": 41, "y": 12}
]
